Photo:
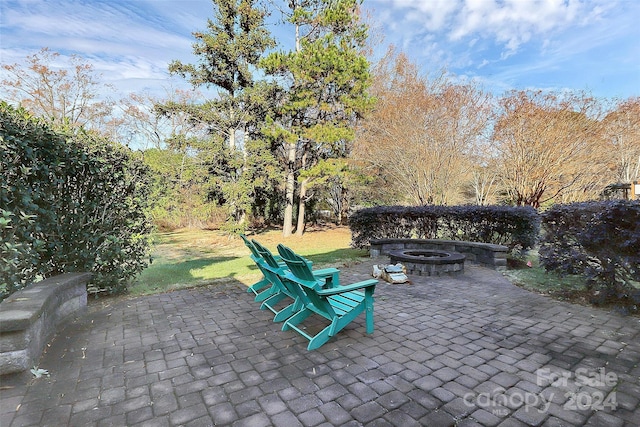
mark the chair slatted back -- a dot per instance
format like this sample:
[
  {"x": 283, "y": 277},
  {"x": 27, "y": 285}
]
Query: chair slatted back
[
  {"x": 298, "y": 266},
  {"x": 251, "y": 246},
  {"x": 309, "y": 284},
  {"x": 266, "y": 254}
]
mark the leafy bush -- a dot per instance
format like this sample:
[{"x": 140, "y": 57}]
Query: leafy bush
[
  {"x": 70, "y": 201},
  {"x": 598, "y": 240},
  {"x": 515, "y": 227}
]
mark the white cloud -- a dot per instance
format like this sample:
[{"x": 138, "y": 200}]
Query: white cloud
[
  {"x": 89, "y": 27},
  {"x": 436, "y": 13},
  {"x": 125, "y": 41},
  {"x": 523, "y": 43},
  {"x": 505, "y": 43},
  {"x": 509, "y": 22}
]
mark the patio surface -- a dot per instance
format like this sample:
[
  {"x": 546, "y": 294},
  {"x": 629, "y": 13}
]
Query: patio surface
[{"x": 471, "y": 350}]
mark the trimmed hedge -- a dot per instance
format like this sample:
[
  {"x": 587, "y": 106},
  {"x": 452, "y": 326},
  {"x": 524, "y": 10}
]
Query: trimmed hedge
[
  {"x": 70, "y": 201},
  {"x": 514, "y": 227},
  {"x": 598, "y": 240}
]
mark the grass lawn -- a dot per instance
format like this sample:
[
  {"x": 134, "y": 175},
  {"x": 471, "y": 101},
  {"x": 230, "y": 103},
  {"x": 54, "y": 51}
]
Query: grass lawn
[
  {"x": 572, "y": 288},
  {"x": 536, "y": 279},
  {"x": 188, "y": 258}
]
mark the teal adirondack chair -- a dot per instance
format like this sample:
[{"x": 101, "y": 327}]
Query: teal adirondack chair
[
  {"x": 283, "y": 289},
  {"x": 261, "y": 289},
  {"x": 338, "y": 304},
  {"x": 264, "y": 288},
  {"x": 329, "y": 281}
]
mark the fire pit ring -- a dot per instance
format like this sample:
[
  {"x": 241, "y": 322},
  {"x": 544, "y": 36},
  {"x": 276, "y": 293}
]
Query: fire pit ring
[{"x": 429, "y": 262}]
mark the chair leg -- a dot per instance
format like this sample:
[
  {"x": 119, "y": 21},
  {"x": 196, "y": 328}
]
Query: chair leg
[
  {"x": 287, "y": 312},
  {"x": 320, "y": 338},
  {"x": 296, "y": 319},
  {"x": 369, "y": 318},
  {"x": 273, "y": 300},
  {"x": 255, "y": 288},
  {"x": 264, "y": 295}
]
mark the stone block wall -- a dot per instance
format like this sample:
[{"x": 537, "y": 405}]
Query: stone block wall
[{"x": 29, "y": 318}]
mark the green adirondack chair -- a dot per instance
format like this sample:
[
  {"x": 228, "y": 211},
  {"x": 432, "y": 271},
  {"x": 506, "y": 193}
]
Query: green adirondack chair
[
  {"x": 262, "y": 287},
  {"x": 338, "y": 304},
  {"x": 281, "y": 289},
  {"x": 284, "y": 289},
  {"x": 329, "y": 281}
]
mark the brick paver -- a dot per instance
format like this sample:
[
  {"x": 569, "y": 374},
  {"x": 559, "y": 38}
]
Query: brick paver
[{"x": 469, "y": 351}]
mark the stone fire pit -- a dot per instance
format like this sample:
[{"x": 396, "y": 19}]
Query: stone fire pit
[{"x": 429, "y": 262}]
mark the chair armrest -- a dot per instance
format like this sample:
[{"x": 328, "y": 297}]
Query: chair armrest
[
  {"x": 330, "y": 276},
  {"x": 371, "y": 283},
  {"x": 324, "y": 272},
  {"x": 290, "y": 276}
]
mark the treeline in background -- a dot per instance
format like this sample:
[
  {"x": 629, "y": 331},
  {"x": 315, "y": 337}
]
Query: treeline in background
[{"x": 269, "y": 136}]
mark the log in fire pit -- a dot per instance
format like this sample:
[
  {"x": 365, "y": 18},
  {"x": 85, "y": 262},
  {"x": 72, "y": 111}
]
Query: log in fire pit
[{"x": 426, "y": 262}]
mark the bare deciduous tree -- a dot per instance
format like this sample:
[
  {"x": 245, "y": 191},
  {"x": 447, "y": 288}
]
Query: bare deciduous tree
[
  {"x": 63, "y": 92},
  {"x": 549, "y": 147},
  {"x": 423, "y": 132},
  {"x": 152, "y": 128},
  {"x": 622, "y": 134},
  {"x": 484, "y": 177}
]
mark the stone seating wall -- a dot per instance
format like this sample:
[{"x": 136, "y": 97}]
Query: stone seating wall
[
  {"x": 486, "y": 254},
  {"x": 30, "y": 317}
]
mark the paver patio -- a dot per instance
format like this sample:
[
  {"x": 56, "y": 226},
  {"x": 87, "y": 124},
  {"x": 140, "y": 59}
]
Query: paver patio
[{"x": 472, "y": 350}]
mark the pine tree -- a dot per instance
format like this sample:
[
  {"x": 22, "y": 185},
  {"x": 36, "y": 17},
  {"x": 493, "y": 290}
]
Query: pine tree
[
  {"x": 229, "y": 52},
  {"x": 325, "y": 81}
]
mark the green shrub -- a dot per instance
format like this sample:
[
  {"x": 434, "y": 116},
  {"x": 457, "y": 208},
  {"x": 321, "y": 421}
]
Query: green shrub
[
  {"x": 70, "y": 201},
  {"x": 515, "y": 227},
  {"x": 600, "y": 241}
]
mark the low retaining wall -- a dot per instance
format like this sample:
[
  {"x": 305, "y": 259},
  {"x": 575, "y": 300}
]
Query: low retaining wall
[
  {"x": 30, "y": 317},
  {"x": 487, "y": 254}
]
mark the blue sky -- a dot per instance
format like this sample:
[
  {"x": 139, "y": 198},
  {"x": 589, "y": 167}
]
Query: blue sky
[{"x": 591, "y": 45}]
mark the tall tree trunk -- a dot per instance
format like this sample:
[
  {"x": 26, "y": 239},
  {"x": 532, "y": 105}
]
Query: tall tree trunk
[
  {"x": 301, "y": 208},
  {"x": 344, "y": 204},
  {"x": 239, "y": 213},
  {"x": 232, "y": 139},
  {"x": 303, "y": 197},
  {"x": 287, "y": 227}
]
